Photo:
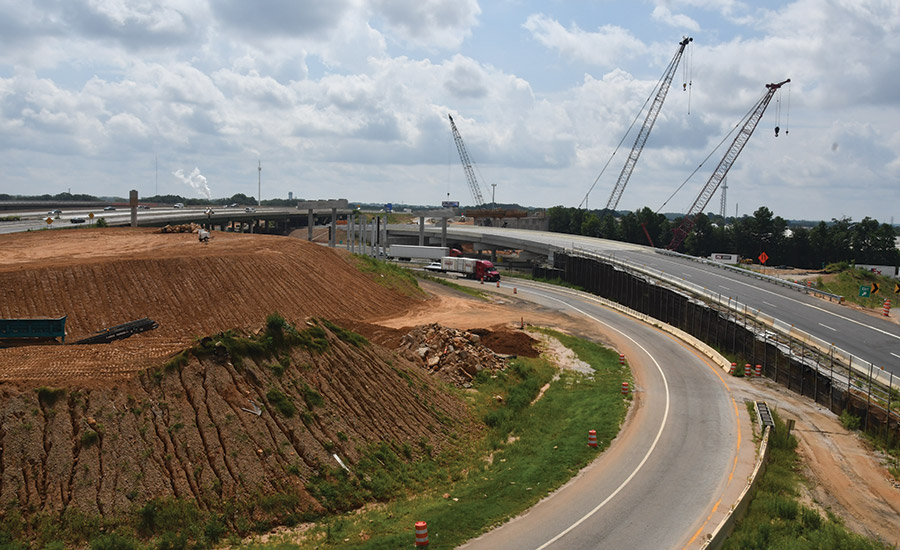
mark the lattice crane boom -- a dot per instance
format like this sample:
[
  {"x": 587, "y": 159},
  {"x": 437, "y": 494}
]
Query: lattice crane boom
[
  {"x": 644, "y": 133},
  {"x": 467, "y": 165},
  {"x": 743, "y": 136}
]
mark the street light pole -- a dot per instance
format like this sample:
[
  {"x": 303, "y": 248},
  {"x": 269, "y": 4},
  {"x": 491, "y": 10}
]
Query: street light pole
[
  {"x": 259, "y": 185},
  {"x": 493, "y": 193}
]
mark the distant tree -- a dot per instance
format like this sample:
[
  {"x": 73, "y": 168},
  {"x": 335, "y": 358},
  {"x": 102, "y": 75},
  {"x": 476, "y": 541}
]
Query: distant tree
[{"x": 558, "y": 219}]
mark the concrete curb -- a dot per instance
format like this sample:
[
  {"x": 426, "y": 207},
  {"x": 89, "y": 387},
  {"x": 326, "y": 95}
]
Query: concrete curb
[{"x": 739, "y": 508}]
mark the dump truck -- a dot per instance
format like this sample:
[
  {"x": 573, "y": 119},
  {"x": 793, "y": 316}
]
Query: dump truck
[
  {"x": 470, "y": 268},
  {"x": 406, "y": 252}
]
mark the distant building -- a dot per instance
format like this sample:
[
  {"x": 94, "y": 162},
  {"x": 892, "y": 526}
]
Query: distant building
[{"x": 290, "y": 195}]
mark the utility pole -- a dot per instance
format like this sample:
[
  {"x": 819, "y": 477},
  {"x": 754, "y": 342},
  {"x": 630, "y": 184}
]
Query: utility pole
[
  {"x": 493, "y": 194},
  {"x": 259, "y": 184}
]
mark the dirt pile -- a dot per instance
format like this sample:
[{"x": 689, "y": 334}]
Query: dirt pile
[
  {"x": 190, "y": 429},
  {"x": 104, "y": 277},
  {"x": 453, "y": 355}
]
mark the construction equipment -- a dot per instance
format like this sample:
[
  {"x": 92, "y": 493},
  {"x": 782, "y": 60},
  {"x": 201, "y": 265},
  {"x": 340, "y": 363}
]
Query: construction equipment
[
  {"x": 661, "y": 91},
  {"x": 467, "y": 165},
  {"x": 35, "y": 330},
  {"x": 752, "y": 119},
  {"x": 120, "y": 332}
]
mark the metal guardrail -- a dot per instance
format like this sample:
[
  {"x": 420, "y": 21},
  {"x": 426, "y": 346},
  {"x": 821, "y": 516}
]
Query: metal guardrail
[
  {"x": 753, "y": 274},
  {"x": 864, "y": 369}
]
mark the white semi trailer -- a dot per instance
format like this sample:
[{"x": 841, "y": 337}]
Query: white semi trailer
[{"x": 406, "y": 252}]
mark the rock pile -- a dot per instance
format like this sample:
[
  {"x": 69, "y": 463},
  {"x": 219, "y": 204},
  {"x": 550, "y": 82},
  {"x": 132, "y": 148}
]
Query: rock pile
[
  {"x": 455, "y": 356},
  {"x": 180, "y": 228}
]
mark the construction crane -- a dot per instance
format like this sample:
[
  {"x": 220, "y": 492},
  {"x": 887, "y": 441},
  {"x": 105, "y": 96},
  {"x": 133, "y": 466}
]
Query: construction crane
[
  {"x": 642, "y": 136},
  {"x": 752, "y": 119},
  {"x": 467, "y": 165},
  {"x": 661, "y": 91}
]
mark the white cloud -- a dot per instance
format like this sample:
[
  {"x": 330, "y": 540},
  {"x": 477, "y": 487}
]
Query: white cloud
[
  {"x": 604, "y": 48},
  {"x": 442, "y": 24},
  {"x": 679, "y": 21},
  {"x": 352, "y": 100}
]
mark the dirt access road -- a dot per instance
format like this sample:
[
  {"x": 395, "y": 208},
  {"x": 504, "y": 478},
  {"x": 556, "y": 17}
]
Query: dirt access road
[{"x": 845, "y": 474}]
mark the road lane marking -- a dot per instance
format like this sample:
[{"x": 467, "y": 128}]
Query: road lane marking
[
  {"x": 643, "y": 461},
  {"x": 725, "y": 287},
  {"x": 737, "y": 451},
  {"x": 826, "y": 326},
  {"x": 685, "y": 274},
  {"x": 895, "y": 355},
  {"x": 761, "y": 289},
  {"x": 770, "y": 305}
]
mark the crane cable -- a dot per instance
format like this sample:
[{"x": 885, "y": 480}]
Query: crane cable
[
  {"x": 787, "y": 124},
  {"x": 739, "y": 123},
  {"x": 687, "y": 75},
  {"x": 652, "y": 93}
]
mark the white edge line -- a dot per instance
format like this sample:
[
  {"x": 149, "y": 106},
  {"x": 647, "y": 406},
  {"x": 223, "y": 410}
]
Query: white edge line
[{"x": 662, "y": 426}]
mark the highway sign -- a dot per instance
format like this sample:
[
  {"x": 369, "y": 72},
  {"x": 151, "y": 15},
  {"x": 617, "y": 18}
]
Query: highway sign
[
  {"x": 49, "y": 220},
  {"x": 896, "y": 288},
  {"x": 763, "y": 258},
  {"x": 875, "y": 289},
  {"x": 865, "y": 291}
]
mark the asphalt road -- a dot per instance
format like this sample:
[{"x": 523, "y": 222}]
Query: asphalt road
[
  {"x": 867, "y": 337},
  {"x": 658, "y": 483}
]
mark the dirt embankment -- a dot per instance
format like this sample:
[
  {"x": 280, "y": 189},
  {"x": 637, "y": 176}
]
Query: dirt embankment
[
  {"x": 100, "y": 278},
  {"x": 191, "y": 432}
]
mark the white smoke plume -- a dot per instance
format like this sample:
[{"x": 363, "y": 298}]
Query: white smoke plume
[{"x": 196, "y": 180}]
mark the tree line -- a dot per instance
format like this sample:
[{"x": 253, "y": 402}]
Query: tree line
[{"x": 840, "y": 240}]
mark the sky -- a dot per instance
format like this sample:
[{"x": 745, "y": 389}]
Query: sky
[{"x": 350, "y": 99}]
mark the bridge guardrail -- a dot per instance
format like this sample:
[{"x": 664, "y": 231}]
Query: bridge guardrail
[
  {"x": 761, "y": 276},
  {"x": 866, "y": 371}
]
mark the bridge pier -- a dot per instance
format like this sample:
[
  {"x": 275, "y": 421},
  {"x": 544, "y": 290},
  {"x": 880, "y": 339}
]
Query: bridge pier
[{"x": 333, "y": 233}]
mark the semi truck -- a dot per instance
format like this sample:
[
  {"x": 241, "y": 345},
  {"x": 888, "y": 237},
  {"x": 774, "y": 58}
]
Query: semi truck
[
  {"x": 470, "y": 268},
  {"x": 406, "y": 252}
]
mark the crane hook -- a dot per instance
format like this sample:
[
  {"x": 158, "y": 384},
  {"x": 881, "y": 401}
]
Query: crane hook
[
  {"x": 684, "y": 86},
  {"x": 776, "y": 131}
]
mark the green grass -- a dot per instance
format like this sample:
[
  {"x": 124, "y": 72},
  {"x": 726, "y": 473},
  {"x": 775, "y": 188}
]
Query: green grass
[
  {"x": 848, "y": 282},
  {"x": 389, "y": 275},
  {"x": 777, "y": 519},
  {"x": 534, "y": 447}
]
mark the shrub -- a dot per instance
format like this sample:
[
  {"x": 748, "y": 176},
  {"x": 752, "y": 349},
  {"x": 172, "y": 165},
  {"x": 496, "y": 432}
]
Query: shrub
[
  {"x": 89, "y": 438},
  {"x": 49, "y": 396},
  {"x": 850, "y": 421},
  {"x": 281, "y": 402}
]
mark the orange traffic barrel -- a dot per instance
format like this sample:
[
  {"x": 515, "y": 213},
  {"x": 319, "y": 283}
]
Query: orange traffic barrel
[
  {"x": 592, "y": 438},
  {"x": 758, "y": 370},
  {"x": 421, "y": 533},
  {"x": 747, "y": 370},
  {"x": 624, "y": 388}
]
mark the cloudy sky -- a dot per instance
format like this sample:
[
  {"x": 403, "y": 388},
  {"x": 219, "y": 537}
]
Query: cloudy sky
[{"x": 349, "y": 99}]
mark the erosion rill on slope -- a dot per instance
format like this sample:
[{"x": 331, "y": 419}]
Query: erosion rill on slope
[{"x": 188, "y": 431}]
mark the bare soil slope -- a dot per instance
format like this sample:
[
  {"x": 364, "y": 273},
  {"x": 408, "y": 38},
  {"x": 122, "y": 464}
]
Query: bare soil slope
[
  {"x": 98, "y": 430},
  {"x": 190, "y": 431},
  {"x": 104, "y": 277}
]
